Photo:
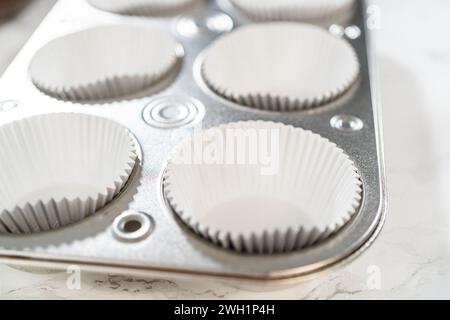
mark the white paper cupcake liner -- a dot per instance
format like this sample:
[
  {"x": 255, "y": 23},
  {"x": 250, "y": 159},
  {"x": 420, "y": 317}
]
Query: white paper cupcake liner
[
  {"x": 106, "y": 62},
  {"x": 322, "y": 12},
  {"x": 143, "y": 7},
  {"x": 312, "y": 193},
  {"x": 59, "y": 169},
  {"x": 280, "y": 66}
]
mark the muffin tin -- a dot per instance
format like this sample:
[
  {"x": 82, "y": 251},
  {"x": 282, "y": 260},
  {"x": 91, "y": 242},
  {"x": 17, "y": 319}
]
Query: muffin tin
[{"x": 138, "y": 232}]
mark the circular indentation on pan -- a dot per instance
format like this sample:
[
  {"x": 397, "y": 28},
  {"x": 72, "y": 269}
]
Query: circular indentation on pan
[
  {"x": 280, "y": 66},
  {"x": 173, "y": 111},
  {"x": 133, "y": 226},
  {"x": 347, "y": 123},
  {"x": 8, "y": 105},
  {"x": 62, "y": 168},
  {"x": 262, "y": 187},
  {"x": 322, "y": 12},
  {"x": 106, "y": 63},
  {"x": 188, "y": 27},
  {"x": 144, "y": 7},
  {"x": 336, "y": 30},
  {"x": 217, "y": 22},
  {"x": 352, "y": 32}
]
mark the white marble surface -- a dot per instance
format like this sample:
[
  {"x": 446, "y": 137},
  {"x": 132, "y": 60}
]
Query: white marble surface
[{"x": 412, "y": 255}]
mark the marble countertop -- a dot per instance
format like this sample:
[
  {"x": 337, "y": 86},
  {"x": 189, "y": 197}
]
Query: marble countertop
[{"x": 411, "y": 258}]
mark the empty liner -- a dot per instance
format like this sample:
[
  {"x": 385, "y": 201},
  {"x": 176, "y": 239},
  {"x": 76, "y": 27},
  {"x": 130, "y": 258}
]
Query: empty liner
[
  {"x": 143, "y": 7},
  {"x": 322, "y": 12},
  {"x": 280, "y": 66},
  {"x": 106, "y": 62},
  {"x": 307, "y": 191},
  {"x": 59, "y": 169}
]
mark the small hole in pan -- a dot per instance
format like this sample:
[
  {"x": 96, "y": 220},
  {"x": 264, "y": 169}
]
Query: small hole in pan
[{"x": 132, "y": 226}]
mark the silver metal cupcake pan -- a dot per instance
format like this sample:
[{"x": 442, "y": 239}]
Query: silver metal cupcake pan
[{"x": 111, "y": 240}]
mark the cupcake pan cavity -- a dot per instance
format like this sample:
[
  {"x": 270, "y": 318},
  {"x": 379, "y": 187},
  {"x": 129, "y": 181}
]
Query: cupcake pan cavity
[
  {"x": 312, "y": 190},
  {"x": 61, "y": 168},
  {"x": 144, "y": 7},
  {"x": 105, "y": 63},
  {"x": 280, "y": 66},
  {"x": 174, "y": 246},
  {"x": 322, "y": 12}
]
